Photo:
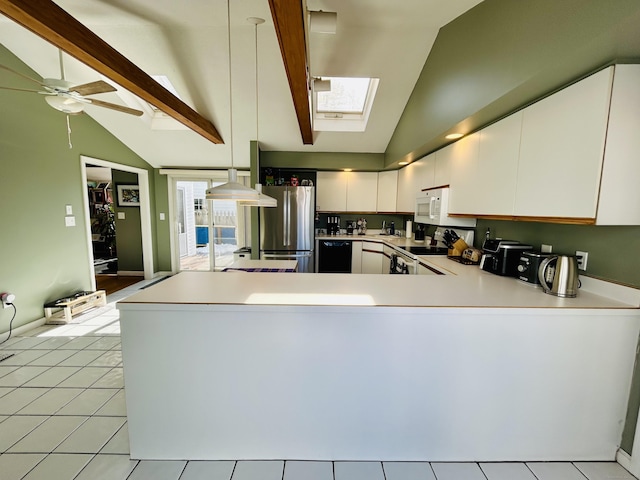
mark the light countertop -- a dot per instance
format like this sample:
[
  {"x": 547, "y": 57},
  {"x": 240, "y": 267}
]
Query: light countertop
[{"x": 466, "y": 286}]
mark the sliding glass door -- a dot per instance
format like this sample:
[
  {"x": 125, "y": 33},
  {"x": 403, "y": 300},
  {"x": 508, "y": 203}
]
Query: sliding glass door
[{"x": 207, "y": 233}]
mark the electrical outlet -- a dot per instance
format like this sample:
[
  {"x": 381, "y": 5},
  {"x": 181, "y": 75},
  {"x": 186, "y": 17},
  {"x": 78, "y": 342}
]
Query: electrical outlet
[
  {"x": 546, "y": 248},
  {"x": 582, "y": 260},
  {"x": 7, "y": 299}
]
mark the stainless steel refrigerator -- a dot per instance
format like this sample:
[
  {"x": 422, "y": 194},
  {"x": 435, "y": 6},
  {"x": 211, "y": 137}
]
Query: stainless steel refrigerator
[{"x": 287, "y": 231}]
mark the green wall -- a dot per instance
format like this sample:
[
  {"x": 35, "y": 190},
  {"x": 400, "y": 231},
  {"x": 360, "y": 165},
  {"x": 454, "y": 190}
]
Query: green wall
[
  {"x": 503, "y": 54},
  {"x": 41, "y": 258},
  {"x": 162, "y": 235},
  {"x": 323, "y": 161},
  {"x": 606, "y": 245},
  {"x": 128, "y": 230}
]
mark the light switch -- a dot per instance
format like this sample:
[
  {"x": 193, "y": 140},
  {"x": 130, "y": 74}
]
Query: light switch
[
  {"x": 70, "y": 221},
  {"x": 161, "y": 215},
  {"x": 69, "y": 209},
  {"x": 121, "y": 216}
]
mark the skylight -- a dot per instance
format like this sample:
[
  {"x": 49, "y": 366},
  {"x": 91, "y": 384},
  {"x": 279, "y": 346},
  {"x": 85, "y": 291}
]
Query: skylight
[
  {"x": 347, "y": 106},
  {"x": 347, "y": 95}
]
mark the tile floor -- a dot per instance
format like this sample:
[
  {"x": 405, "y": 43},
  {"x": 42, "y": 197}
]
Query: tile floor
[{"x": 63, "y": 416}]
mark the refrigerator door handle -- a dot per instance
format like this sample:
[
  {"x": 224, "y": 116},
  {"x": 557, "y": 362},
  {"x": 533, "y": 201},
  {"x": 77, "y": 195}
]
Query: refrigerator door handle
[
  {"x": 287, "y": 255},
  {"x": 287, "y": 218}
]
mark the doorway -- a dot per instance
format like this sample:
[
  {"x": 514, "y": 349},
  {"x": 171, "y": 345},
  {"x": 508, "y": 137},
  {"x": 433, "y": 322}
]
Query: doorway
[
  {"x": 206, "y": 233},
  {"x": 140, "y": 220}
]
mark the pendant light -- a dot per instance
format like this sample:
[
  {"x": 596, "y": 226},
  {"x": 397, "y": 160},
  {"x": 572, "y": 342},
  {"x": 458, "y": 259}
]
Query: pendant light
[
  {"x": 233, "y": 190},
  {"x": 263, "y": 200}
]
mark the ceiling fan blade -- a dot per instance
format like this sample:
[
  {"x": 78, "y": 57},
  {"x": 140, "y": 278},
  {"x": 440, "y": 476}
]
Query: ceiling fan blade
[
  {"x": 92, "y": 88},
  {"x": 113, "y": 106},
  {"x": 20, "y": 89},
  {"x": 21, "y": 75}
]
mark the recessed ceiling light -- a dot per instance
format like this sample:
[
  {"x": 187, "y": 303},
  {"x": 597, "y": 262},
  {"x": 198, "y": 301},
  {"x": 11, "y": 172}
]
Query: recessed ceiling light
[
  {"x": 403, "y": 163},
  {"x": 454, "y": 136}
]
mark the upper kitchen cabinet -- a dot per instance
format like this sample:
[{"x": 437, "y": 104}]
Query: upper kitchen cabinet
[
  {"x": 619, "y": 202},
  {"x": 347, "y": 191},
  {"x": 362, "y": 191},
  {"x": 497, "y": 166},
  {"x": 412, "y": 179},
  {"x": 331, "y": 191},
  {"x": 561, "y": 151},
  {"x": 387, "y": 191},
  {"x": 462, "y": 158}
]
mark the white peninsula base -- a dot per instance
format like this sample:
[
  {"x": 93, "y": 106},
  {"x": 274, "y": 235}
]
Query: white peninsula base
[{"x": 219, "y": 381}]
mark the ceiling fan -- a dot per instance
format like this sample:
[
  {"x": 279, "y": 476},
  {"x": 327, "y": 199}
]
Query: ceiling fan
[{"x": 68, "y": 98}]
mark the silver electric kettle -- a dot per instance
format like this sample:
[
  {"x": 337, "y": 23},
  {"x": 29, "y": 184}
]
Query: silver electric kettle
[{"x": 558, "y": 275}]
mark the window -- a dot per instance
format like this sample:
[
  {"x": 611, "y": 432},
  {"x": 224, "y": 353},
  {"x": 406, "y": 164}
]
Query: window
[
  {"x": 347, "y": 106},
  {"x": 198, "y": 203}
]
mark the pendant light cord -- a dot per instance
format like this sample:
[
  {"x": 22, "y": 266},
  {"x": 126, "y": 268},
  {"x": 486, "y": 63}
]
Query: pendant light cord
[{"x": 230, "y": 92}]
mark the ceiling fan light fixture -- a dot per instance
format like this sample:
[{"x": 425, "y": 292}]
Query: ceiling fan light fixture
[{"x": 66, "y": 105}]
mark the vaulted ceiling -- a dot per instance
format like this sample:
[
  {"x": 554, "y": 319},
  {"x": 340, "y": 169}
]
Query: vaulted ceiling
[{"x": 188, "y": 43}]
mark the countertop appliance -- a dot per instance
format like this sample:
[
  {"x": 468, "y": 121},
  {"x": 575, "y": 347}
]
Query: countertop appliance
[
  {"x": 432, "y": 208},
  {"x": 287, "y": 231},
  {"x": 528, "y": 266},
  {"x": 334, "y": 256},
  {"x": 558, "y": 276},
  {"x": 419, "y": 234},
  {"x": 502, "y": 256},
  {"x": 333, "y": 225}
]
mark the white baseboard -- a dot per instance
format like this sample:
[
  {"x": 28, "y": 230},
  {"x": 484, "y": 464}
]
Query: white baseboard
[
  {"x": 24, "y": 328},
  {"x": 624, "y": 459}
]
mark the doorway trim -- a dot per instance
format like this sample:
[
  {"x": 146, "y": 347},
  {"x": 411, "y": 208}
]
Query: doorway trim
[{"x": 145, "y": 213}]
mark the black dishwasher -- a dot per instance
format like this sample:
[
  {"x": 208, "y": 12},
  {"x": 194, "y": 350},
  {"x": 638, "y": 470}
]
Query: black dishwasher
[{"x": 334, "y": 256}]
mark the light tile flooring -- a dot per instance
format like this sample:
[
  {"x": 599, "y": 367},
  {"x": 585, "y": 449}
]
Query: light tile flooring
[{"x": 63, "y": 416}]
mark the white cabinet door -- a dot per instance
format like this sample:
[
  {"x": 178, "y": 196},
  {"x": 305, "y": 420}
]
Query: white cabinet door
[
  {"x": 561, "y": 150},
  {"x": 356, "y": 257},
  {"x": 331, "y": 191},
  {"x": 424, "y": 172},
  {"x": 362, "y": 191},
  {"x": 497, "y": 167},
  {"x": 406, "y": 189},
  {"x": 387, "y": 191},
  {"x": 462, "y": 157},
  {"x": 372, "y": 254},
  {"x": 442, "y": 173},
  {"x": 619, "y": 202}
]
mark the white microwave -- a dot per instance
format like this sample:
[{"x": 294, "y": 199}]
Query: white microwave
[{"x": 432, "y": 208}]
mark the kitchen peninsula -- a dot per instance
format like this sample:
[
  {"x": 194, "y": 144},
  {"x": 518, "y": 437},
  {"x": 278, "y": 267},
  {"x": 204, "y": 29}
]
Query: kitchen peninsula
[{"x": 465, "y": 366}]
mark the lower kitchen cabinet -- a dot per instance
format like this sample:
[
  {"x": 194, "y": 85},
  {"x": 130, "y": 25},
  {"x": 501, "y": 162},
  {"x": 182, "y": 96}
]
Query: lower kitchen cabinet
[
  {"x": 372, "y": 255},
  {"x": 356, "y": 257}
]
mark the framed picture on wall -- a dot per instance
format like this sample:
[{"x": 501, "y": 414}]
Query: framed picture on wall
[{"x": 128, "y": 196}]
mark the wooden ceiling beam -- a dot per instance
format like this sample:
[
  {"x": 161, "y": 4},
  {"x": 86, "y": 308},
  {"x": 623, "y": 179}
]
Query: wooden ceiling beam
[
  {"x": 55, "y": 25},
  {"x": 288, "y": 19}
]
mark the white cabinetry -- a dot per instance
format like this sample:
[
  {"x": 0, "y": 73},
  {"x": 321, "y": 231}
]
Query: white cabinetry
[
  {"x": 561, "y": 150},
  {"x": 412, "y": 179},
  {"x": 442, "y": 173},
  {"x": 494, "y": 190},
  {"x": 619, "y": 202},
  {"x": 387, "y": 191},
  {"x": 462, "y": 157},
  {"x": 356, "y": 257},
  {"x": 331, "y": 191},
  {"x": 372, "y": 254},
  {"x": 346, "y": 191},
  {"x": 362, "y": 191}
]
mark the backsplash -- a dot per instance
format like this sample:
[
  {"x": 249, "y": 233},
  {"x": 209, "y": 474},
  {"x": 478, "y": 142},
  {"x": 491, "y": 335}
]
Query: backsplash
[{"x": 611, "y": 249}]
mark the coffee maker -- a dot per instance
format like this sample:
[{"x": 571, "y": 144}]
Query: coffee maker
[{"x": 333, "y": 225}]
